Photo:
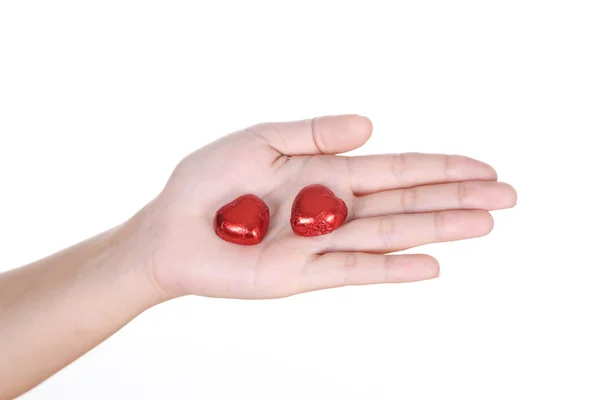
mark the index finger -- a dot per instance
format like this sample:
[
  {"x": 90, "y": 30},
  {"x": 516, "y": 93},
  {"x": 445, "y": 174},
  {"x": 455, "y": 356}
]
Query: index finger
[{"x": 370, "y": 174}]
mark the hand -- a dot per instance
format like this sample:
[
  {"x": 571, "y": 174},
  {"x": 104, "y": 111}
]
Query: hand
[{"x": 395, "y": 202}]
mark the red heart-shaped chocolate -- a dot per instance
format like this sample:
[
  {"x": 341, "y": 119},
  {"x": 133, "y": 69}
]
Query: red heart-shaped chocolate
[
  {"x": 317, "y": 211},
  {"x": 243, "y": 221}
]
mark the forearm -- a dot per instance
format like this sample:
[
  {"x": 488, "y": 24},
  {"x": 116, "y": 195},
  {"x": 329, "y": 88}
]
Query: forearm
[{"x": 56, "y": 309}]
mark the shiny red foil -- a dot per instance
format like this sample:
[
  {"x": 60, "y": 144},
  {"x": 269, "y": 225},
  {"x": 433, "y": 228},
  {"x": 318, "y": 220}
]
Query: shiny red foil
[
  {"x": 244, "y": 221},
  {"x": 317, "y": 211}
]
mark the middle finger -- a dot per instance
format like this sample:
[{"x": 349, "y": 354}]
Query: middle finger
[{"x": 483, "y": 195}]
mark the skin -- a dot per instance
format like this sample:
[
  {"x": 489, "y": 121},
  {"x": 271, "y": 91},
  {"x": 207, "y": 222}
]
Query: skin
[{"x": 82, "y": 295}]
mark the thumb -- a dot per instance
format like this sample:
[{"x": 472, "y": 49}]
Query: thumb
[{"x": 323, "y": 135}]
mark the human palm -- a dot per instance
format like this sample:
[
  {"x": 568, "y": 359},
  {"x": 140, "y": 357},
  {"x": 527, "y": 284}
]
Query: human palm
[{"x": 395, "y": 202}]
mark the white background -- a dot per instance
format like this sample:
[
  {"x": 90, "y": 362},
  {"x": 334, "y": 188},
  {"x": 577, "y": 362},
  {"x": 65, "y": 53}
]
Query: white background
[{"x": 100, "y": 100}]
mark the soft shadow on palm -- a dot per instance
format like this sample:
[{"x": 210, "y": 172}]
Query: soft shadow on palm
[{"x": 394, "y": 202}]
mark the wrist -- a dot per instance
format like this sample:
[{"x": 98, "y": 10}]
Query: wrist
[{"x": 136, "y": 240}]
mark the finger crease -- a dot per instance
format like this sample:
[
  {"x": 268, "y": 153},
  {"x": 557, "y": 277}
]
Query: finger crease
[
  {"x": 349, "y": 265},
  {"x": 313, "y": 128}
]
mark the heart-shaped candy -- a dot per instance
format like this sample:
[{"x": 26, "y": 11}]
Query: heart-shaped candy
[
  {"x": 317, "y": 211},
  {"x": 243, "y": 221}
]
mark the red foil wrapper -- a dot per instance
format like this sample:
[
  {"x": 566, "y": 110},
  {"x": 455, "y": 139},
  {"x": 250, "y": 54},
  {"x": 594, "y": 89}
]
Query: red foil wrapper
[
  {"x": 317, "y": 211},
  {"x": 244, "y": 221}
]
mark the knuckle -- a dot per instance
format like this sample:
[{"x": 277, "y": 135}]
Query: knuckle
[
  {"x": 387, "y": 269},
  {"x": 358, "y": 207},
  {"x": 350, "y": 262},
  {"x": 386, "y": 231},
  {"x": 318, "y": 136},
  {"x": 439, "y": 225},
  {"x": 409, "y": 199},
  {"x": 445, "y": 223},
  {"x": 463, "y": 193},
  {"x": 399, "y": 164},
  {"x": 350, "y": 171}
]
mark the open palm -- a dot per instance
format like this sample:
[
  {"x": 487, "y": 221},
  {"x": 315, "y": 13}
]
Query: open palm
[{"x": 395, "y": 202}]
